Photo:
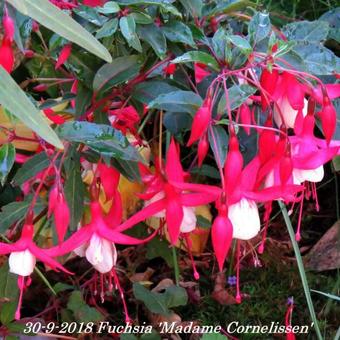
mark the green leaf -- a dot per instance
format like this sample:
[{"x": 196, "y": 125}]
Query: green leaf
[
  {"x": 237, "y": 94},
  {"x": 7, "y": 312},
  {"x": 128, "y": 28},
  {"x": 241, "y": 43},
  {"x": 225, "y": 7},
  {"x": 31, "y": 167},
  {"x": 61, "y": 23},
  {"x": 332, "y": 18},
  {"x": 8, "y": 283},
  {"x": 109, "y": 7},
  {"x": 311, "y": 31},
  {"x": 61, "y": 287},
  {"x": 165, "y": 5},
  {"x": 213, "y": 336},
  {"x": 16, "y": 211},
  {"x": 218, "y": 140},
  {"x": 108, "y": 29},
  {"x": 154, "y": 37},
  {"x": 177, "y": 101},
  {"x": 16, "y": 102},
  {"x": 74, "y": 190},
  {"x": 154, "y": 302},
  {"x": 99, "y": 137},
  {"x": 128, "y": 169},
  {"x": 90, "y": 14},
  {"x": 318, "y": 59},
  {"x": 175, "y": 122},
  {"x": 7, "y": 157},
  {"x": 119, "y": 71},
  {"x": 197, "y": 57},
  {"x": 160, "y": 303},
  {"x": 259, "y": 27},
  {"x": 177, "y": 31},
  {"x": 194, "y": 7},
  {"x": 159, "y": 248},
  {"x": 330, "y": 296},
  {"x": 147, "y": 91},
  {"x": 175, "y": 296},
  {"x": 81, "y": 311}
]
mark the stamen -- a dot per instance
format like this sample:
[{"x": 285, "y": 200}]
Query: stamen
[
  {"x": 238, "y": 295},
  {"x": 121, "y": 292},
  {"x": 102, "y": 294},
  {"x": 21, "y": 285},
  {"x": 268, "y": 210},
  {"x": 189, "y": 245},
  {"x": 297, "y": 234}
]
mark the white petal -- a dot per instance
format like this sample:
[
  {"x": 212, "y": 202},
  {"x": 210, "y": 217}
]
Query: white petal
[
  {"x": 245, "y": 219},
  {"x": 288, "y": 113},
  {"x": 100, "y": 254},
  {"x": 155, "y": 198},
  {"x": 81, "y": 250},
  {"x": 22, "y": 262},
  {"x": 189, "y": 220},
  {"x": 313, "y": 175}
]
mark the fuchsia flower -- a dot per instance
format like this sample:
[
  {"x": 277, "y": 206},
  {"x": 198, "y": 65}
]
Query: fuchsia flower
[
  {"x": 200, "y": 72},
  {"x": 174, "y": 195},
  {"x": 22, "y": 259},
  {"x": 124, "y": 119},
  {"x": 64, "y": 55},
  {"x": 201, "y": 121},
  {"x": 109, "y": 178},
  {"x": 57, "y": 206},
  {"x": 202, "y": 150},
  {"x": 169, "y": 69},
  {"x": 95, "y": 237},
  {"x": 6, "y": 51},
  {"x": 93, "y": 3},
  {"x": 54, "y": 117}
]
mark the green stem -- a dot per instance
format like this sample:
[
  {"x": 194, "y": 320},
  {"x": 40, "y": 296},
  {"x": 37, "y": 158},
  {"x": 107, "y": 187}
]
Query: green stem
[
  {"x": 301, "y": 269},
  {"x": 44, "y": 279},
  {"x": 175, "y": 262}
]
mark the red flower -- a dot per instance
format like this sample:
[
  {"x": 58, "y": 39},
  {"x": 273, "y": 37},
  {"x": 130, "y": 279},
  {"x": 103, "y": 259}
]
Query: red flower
[
  {"x": 200, "y": 72},
  {"x": 93, "y": 3},
  {"x": 63, "y": 56},
  {"x": 6, "y": 52},
  {"x": 170, "y": 69}
]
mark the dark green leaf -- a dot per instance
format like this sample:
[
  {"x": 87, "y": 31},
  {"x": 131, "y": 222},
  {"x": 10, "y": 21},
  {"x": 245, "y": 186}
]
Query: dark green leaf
[
  {"x": 177, "y": 101},
  {"x": 90, "y": 14},
  {"x": 159, "y": 248},
  {"x": 318, "y": 59},
  {"x": 8, "y": 283},
  {"x": 332, "y": 17},
  {"x": 194, "y": 7},
  {"x": 16, "y": 211},
  {"x": 7, "y": 312},
  {"x": 61, "y": 287},
  {"x": 142, "y": 18},
  {"x": 128, "y": 28},
  {"x": 225, "y": 7},
  {"x": 7, "y": 157},
  {"x": 165, "y": 5},
  {"x": 177, "y": 31},
  {"x": 31, "y": 167},
  {"x": 108, "y": 29},
  {"x": 61, "y": 23},
  {"x": 237, "y": 95},
  {"x": 83, "y": 99},
  {"x": 109, "y": 8},
  {"x": 175, "y": 296},
  {"x": 16, "y": 102},
  {"x": 197, "y": 57},
  {"x": 101, "y": 138},
  {"x": 147, "y": 91},
  {"x": 175, "y": 122},
  {"x": 241, "y": 43},
  {"x": 311, "y": 31},
  {"x": 259, "y": 27},
  {"x": 81, "y": 311},
  {"x": 120, "y": 70},
  {"x": 74, "y": 190},
  {"x": 128, "y": 169},
  {"x": 154, "y": 37},
  {"x": 218, "y": 140}
]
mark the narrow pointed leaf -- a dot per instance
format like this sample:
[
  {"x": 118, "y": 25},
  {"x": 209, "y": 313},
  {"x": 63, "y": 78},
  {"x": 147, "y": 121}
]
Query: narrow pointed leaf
[
  {"x": 59, "y": 22},
  {"x": 15, "y": 101}
]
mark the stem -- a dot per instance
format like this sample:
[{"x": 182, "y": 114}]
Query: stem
[
  {"x": 175, "y": 262},
  {"x": 301, "y": 269}
]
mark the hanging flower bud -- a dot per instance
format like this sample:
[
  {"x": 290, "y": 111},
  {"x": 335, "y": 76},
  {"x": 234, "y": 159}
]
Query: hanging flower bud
[
  {"x": 61, "y": 216},
  {"x": 52, "y": 200},
  {"x": 201, "y": 121},
  {"x": 29, "y": 53},
  {"x": 109, "y": 178},
  {"x": 221, "y": 236},
  {"x": 6, "y": 55},
  {"x": 268, "y": 82},
  {"x": 203, "y": 147},
  {"x": 63, "y": 56},
  {"x": 328, "y": 119},
  {"x": 245, "y": 117},
  {"x": 93, "y": 3},
  {"x": 200, "y": 72},
  {"x": 8, "y": 25},
  {"x": 294, "y": 91},
  {"x": 40, "y": 88},
  {"x": 170, "y": 69}
]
